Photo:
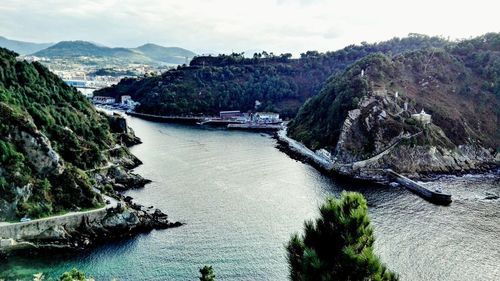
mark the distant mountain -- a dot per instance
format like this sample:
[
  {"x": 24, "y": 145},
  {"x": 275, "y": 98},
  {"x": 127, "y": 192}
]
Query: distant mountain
[
  {"x": 167, "y": 54},
  {"x": 72, "y": 49},
  {"x": 148, "y": 53},
  {"x": 22, "y": 47}
]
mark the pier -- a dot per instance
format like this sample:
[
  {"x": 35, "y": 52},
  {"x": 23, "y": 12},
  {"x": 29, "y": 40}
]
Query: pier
[{"x": 434, "y": 196}]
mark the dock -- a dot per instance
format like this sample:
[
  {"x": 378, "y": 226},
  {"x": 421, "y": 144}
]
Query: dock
[
  {"x": 255, "y": 127},
  {"x": 192, "y": 120},
  {"x": 434, "y": 196},
  {"x": 217, "y": 122}
]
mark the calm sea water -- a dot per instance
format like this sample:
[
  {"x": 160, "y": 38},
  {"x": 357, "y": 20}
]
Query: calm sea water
[{"x": 241, "y": 199}]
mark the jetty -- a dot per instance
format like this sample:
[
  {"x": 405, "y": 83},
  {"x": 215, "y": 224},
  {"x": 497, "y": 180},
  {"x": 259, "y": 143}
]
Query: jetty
[
  {"x": 436, "y": 196},
  {"x": 360, "y": 171}
]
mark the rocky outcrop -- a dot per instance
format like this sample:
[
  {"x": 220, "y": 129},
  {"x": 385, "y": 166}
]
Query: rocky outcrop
[
  {"x": 39, "y": 152},
  {"x": 124, "y": 133},
  {"x": 382, "y": 133}
]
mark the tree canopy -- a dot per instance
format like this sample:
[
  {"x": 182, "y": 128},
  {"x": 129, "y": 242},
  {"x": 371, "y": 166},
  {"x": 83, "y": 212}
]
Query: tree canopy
[{"x": 338, "y": 245}]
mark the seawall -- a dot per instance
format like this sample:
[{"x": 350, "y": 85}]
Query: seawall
[
  {"x": 302, "y": 150},
  {"x": 45, "y": 227}
]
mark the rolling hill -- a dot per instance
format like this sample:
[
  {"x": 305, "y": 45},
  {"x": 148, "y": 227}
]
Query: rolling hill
[
  {"x": 22, "y": 47},
  {"x": 146, "y": 54},
  {"x": 168, "y": 54}
]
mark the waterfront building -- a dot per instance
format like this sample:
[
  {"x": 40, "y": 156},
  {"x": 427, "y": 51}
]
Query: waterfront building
[
  {"x": 267, "y": 117},
  {"x": 76, "y": 83},
  {"x": 125, "y": 99},
  {"x": 103, "y": 100},
  {"x": 230, "y": 114}
]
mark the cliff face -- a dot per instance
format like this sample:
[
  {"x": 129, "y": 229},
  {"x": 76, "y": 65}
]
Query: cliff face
[{"x": 429, "y": 111}]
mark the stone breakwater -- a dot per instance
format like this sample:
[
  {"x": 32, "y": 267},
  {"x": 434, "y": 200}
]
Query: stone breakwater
[
  {"x": 414, "y": 162},
  {"x": 302, "y": 151}
]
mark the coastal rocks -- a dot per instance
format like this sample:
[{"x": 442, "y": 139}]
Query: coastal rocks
[
  {"x": 118, "y": 125},
  {"x": 121, "y": 156},
  {"x": 127, "y": 179},
  {"x": 368, "y": 145},
  {"x": 81, "y": 231},
  {"x": 117, "y": 172}
]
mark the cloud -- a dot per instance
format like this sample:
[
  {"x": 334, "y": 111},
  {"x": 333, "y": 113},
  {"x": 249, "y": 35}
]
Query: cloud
[{"x": 229, "y": 25}]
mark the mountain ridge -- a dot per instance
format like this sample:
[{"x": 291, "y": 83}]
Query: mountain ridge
[
  {"x": 147, "y": 53},
  {"x": 22, "y": 47}
]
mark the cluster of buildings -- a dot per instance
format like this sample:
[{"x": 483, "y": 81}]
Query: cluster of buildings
[
  {"x": 125, "y": 102},
  {"x": 256, "y": 118}
]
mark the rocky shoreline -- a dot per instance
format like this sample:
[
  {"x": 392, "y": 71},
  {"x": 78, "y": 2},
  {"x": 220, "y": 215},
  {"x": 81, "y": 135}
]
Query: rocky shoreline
[
  {"x": 377, "y": 175},
  {"x": 120, "y": 218}
]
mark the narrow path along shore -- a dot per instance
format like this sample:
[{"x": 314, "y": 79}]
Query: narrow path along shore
[{"x": 113, "y": 203}]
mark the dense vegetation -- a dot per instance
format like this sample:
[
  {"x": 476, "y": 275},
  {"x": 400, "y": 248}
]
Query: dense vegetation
[
  {"x": 338, "y": 245},
  {"x": 207, "y": 273},
  {"x": 35, "y": 103},
  {"x": 459, "y": 85},
  {"x": 233, "y": 82},
  {"x": 145, "y": 54}
]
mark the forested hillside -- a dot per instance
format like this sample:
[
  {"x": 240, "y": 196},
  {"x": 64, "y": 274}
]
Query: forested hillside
[
  {"x": 233, "y": 82},
  {"x": 369, "y": 107},
  {"x": 49, "y": 134}
]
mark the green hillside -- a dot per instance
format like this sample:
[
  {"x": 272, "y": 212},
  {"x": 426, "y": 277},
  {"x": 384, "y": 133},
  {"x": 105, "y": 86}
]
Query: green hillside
[
  {"x": 49, "y": 134},
  {"x": 233, "y": 82},
  {"x": 459, "y": 86},
  {"x": 166, "y": 54}
]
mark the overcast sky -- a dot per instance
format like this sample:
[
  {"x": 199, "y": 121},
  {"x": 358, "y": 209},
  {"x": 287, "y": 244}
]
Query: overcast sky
[{"x": 232, "y": 25}]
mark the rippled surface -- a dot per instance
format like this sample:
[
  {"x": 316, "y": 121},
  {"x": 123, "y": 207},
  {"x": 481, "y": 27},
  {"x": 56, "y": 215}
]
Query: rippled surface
[{"x": 241, "y": 199}]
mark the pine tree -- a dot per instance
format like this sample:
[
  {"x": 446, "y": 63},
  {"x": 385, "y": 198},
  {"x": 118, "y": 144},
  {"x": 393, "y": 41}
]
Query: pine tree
[
  {"x": 338, "y": 245},
  {"x": 207, "y": 273}
]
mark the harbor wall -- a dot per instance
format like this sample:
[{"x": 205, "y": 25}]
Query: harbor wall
[
  {"x": 47, "y": 226},
  {"x": 301, "y": 149}
]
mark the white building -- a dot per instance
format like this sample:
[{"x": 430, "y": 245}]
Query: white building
[
  {"x": 126, "y": 99},
  {"x": 422, "y": 117},
  {"x": 267, "y": 117},
  {"x": 103, "y": 100}
]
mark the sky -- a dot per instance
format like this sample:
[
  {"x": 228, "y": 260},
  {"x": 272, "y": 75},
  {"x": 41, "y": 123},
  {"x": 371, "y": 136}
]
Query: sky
[{"x": 223, "y": 26}]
